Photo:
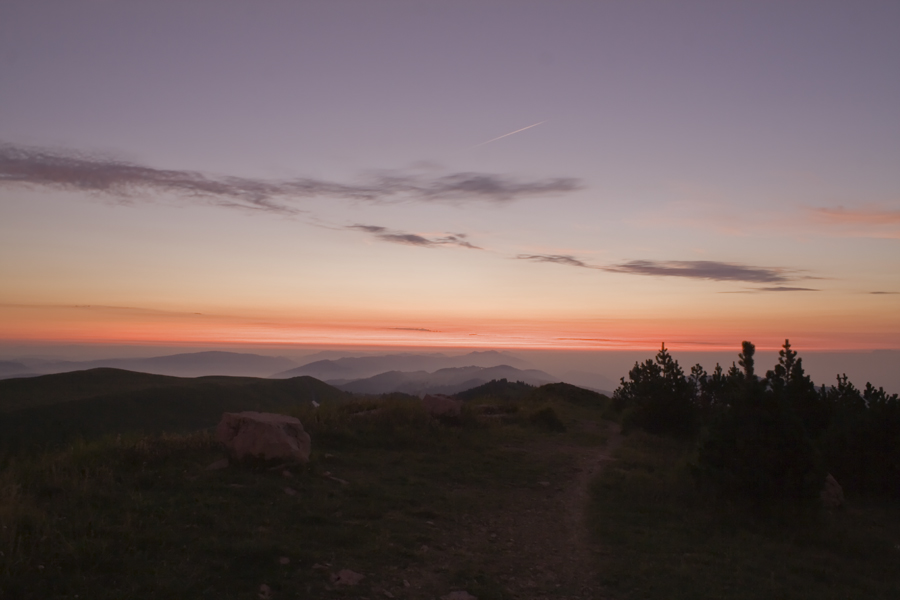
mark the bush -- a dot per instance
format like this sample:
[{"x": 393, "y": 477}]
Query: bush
[
  {"x": 547, "y": 419},
  {"x": 756, "y": 445},
  {"x": 657, "y": 398}
]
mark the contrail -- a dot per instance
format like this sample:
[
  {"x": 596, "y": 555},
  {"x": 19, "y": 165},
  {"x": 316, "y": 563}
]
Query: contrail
[{"x": 506, "y": 135}]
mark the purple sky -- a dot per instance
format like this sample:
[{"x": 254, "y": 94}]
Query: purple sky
[{"x": 709, "y": 170}]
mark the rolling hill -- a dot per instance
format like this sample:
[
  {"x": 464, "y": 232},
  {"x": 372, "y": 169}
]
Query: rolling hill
[
  {"x": 443, "y": 381},
  {"x": 189, "y": 364},
  {"x": 362, "y": 367},
  {"x": 52, "y": 410}
]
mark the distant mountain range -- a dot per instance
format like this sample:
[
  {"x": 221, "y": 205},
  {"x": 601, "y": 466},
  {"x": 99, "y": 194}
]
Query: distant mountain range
[
  {"x": 372, "y": 374},
  {"x": 192, "y": 364},
  {"x": 352, "y": 368},
  {"x": 443, "y": 381}
]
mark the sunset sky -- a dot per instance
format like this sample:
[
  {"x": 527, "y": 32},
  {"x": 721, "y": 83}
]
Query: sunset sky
[{"x": 339, "y": 172}]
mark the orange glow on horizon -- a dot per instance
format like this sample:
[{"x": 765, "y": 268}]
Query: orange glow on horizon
[{"x": 110, "y": 325}]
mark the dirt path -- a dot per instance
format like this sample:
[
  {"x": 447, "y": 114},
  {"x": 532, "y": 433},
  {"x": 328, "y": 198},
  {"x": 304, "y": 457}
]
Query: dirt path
[{"x": 538, "y": 546}]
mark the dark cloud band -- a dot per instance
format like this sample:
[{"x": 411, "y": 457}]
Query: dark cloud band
[
  {"x": 690, "y": 269},
  {"x": 560, "y": 259},
  {"x": 126, "y": 181},
  {"x": 702, "y": 269},
  {"x": 412, "y": 239}
]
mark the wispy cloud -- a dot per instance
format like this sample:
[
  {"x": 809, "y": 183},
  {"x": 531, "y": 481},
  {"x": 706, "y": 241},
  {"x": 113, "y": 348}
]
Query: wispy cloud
[
  {"x": 776, "y": 288},
  {"x": 873, "y": 216},
  {"x": 413, "y": 239},
  {"x": 691, "y": 269},
  {"x": 702, "y": 269},
  {"x": 125, "y": 181},
  {"x": 869, "y": 221},
  {"x": 561, "y": 259},
  {"x": 884, "y": 293}
]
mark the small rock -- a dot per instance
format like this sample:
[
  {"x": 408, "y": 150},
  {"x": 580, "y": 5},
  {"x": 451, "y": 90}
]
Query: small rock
[
  {"x": 347, "y": 577},
  {"x": 832, "y": 493},
  {"x": 265, "y": 592},
  {"x": 284, "y": 560},
  {"x": 459, "y": 595},
  {"x": 219, "y": 464},
  {"x": 320, "y": 567},
  {"x": 388, "y": 594},
  {"x": 290, "y": 491},
  {"x": 405, "y": 583},
  {"x": 287, "y": 474},
  {"x": 439, "y": 405},
  {"x": 544, "y": 483}
]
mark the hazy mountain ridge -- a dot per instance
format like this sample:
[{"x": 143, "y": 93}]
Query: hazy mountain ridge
[
  {"x": 443, "y": 381},
  {"x": 191, "y": 364},
  {"x": 362, "y": 367}
]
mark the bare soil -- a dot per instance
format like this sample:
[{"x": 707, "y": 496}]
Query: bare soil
[{"x": 536, "y": 547}]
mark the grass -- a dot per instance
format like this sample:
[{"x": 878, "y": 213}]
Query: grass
[
  {"x": 142, "y": 516},
  {"x": 50, "y": 411},
  {"x": 473, "y": 503},
  {"x": 662, "y": 538}
]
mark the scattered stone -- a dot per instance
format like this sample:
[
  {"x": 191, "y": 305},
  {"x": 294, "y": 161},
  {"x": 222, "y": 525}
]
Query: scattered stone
[
  {"x": 347, "y": 577},
  {"x": 439, "y": 405},
  {"x": 287, "y": 474},
  {"x": 290, "y": 491},
  {"x": 544, "y": 483},
  {"x": 832, "y": 494},
  {"x": 265, "y": 592},
  {"x": 320, "y": 567},
  {"x": 284, "y": 560},
  {"x": 219, "y": 464},
  {"x": 388, "y": 594},
  {"x": 328, "y": 475},
  {"x": 267, "y": 436},
  {"x": 459, "y": 595},
  {"x": 405, "y": 583}
]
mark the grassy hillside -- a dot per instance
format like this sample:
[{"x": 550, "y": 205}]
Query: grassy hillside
[
  {"x": 530, "y": 493},
  {"x": 418, "y": 506},
  {"x": 664, "y": 538},
  {"x": 29, "y": 392},
  {"x": 54, "y": 409}
]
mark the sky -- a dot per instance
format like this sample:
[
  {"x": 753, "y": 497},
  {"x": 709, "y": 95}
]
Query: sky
[{"x": 504, "y": 174}]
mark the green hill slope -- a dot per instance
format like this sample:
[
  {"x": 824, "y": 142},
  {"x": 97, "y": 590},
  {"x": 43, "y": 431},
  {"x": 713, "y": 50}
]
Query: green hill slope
[{"x": 51, "y": 410}]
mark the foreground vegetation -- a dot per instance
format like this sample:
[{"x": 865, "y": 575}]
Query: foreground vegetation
[
  {"x": 530, "y": 493},
  {"x": 771, "y": 438},
  {"x": 389, "y": 493},
  {"x": 664, "y": 538}
]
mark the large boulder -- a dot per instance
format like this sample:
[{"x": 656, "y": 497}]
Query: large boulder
[
  {"x": 266, "y": 436},
  {"x": 439, "y": 405}
]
